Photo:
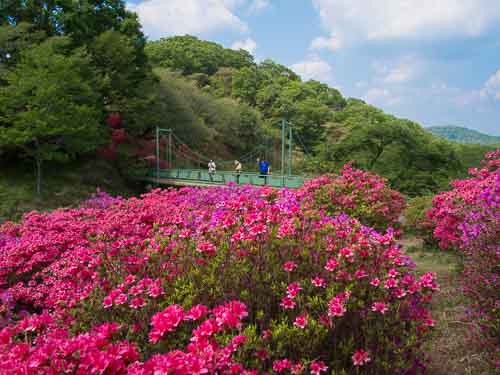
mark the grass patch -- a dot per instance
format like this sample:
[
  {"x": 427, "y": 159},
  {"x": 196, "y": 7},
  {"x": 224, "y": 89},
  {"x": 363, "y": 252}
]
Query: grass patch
[{"x": 63, "y": 185}]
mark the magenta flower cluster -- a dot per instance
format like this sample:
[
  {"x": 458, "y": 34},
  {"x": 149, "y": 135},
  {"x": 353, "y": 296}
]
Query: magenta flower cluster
[
  {"x": 227, "y": 280},
  {"x": 467, "y": 218},
  {"x": 360, "y": 194}
]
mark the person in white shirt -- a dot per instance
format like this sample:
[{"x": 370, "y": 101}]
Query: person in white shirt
[
  {"x": 211, "y": 168},
  {"x": 237, "y": 170}
]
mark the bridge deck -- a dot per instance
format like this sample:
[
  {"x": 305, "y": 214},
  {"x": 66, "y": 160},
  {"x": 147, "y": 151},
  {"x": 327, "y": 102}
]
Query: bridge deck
[{"x": 198, "y": 177}]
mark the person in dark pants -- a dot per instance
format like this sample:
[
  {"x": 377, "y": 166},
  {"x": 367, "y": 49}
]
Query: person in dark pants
[
  {"x": 211, "y": 169},
  {"x": 264, "y": 169},
  {"x": 237, "y": 170}
]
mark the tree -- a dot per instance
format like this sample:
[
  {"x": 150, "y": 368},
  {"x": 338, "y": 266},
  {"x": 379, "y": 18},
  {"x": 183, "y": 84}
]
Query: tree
[
  {"x": 15, "y": 39},
  {"x": 190, "y": 55},
  {"x": 82, "y": 20},
  {"x": 245, "y": 84},
  {"x": 414, "y": 161},
  {"x": 50, "y": 108}
]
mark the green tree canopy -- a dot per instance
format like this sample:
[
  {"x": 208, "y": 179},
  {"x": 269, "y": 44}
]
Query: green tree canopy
[
  {"x": 50, "y": 108},
  {"x": 414, "y": 161},
  {"x": 190, "y": 55},
  {"x": 82, "y": 20}
]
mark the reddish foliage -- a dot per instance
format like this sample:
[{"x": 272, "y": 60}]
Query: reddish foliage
[{"x": 114, "y": 120}]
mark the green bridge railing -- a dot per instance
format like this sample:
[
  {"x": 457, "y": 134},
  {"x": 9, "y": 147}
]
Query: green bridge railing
[{"x": 193, "y": 176}]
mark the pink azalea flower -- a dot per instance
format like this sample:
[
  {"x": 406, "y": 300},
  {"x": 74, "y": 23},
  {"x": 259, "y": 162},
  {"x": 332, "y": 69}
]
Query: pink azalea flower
[
  {"x": 289, "y": 266},
  {"x": 107, "y": 302},
  {"x": 297, "y": 368},
  {"x": 196, "y": 312},
  {"x": 393, "y": 273},
  {"x": 204, "y": 330},
  {"x": 336, "y": 307},
  {"x": 300, "y": 321},
  {"x": 121, "y": 299},
  {"x": 429, "y": 322},
  {"x": 375, "y": 281},
  {"x": 206, "y": 248},
  {"x": 319, "y": 282},
  {"x": 130, "y": 279},
  {"x": 137, "y": 303},
  {"x": 282, "y": 365},
  {"x": 400, "y": 293},
  {"x": 360, "y": 274},
  {"x": 136, "y": 290},
  {"x": 390, "y": 283},
  {"x": 155, "y": 291},
  {"x": 293, "y": 289},
  {"x": 317, "y": 367},
  {"x": 360, "y": 357},
  {"x": 346, "y": 252},
  {"x": 380, "y": 307},
  {"x": 331, "y": 264},
  {"x": 287, "y": 303},
  {"x": 165, "y": 321}
]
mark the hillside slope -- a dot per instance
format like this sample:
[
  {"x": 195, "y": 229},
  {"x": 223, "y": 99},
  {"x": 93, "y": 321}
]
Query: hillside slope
[{"x": 463, "y": 135}]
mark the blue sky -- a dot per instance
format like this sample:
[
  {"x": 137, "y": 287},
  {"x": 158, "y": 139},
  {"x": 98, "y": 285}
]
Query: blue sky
[{"x": 433, "y": 61}]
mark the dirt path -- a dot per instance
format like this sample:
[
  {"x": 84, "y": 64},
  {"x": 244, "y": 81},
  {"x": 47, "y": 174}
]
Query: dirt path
[{"x": 449, "y": 351}]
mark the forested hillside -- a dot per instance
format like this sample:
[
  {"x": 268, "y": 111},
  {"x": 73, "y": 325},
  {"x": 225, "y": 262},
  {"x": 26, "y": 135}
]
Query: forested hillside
[
  {"x": 463, "y": 135},
  {"x": 80, "y": 83},
  {"x": 332, "y": 129}
]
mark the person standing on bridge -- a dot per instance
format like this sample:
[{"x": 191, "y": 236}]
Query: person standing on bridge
[
  {"x": 263, "y": 169},
  {"x": 237, "y": 170},
  {"x": 211, "y": 169}
]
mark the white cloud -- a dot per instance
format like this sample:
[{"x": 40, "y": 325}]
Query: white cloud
[
  {"x": 407, "y": 19},
  {"x": 173, "y": 17},
  {"x": 399, "y": 71},
  {"x": 381, "y": 96},
  {"x": 332, "y": 43},
  {"x": 247, "y": 44},
  {"x": 258, "y": 5},
  {"x": 313, "y": 68},
  {"x": 491, "y": 88}
]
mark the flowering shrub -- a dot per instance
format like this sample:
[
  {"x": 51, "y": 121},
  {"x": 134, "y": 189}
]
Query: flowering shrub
[
  {"x": 360, "y": 194},
  {"x": 467, "y": 218},
  {"x": 100, "y": 199},
  {"x": 232, "y": 280}
]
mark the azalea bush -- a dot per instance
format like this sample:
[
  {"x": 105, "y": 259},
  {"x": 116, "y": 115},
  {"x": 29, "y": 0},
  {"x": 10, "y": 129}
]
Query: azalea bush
[
  {"x": 467, "y": 219},
  {"x": 100, "y": 199},
  {"x": 234, "y": 279},
  {"x": 358, "y": 193}
]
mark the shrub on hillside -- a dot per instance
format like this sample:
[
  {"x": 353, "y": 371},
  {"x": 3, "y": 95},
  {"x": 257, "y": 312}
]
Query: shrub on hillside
[
  {"x": 467, "y": 218},
  {"x": 217, "y": 280},
  {"x": 360, "y": 194}
]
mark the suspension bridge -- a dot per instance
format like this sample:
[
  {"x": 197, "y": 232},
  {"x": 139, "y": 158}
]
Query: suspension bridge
[{"x": 176, "y": 164}]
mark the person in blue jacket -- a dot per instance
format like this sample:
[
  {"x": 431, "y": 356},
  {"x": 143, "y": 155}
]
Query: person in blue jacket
[{"x": 263, "y": 169}]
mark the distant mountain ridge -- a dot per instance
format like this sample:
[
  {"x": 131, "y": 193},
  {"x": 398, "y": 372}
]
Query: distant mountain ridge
[{"x": 463, "y": 135}]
